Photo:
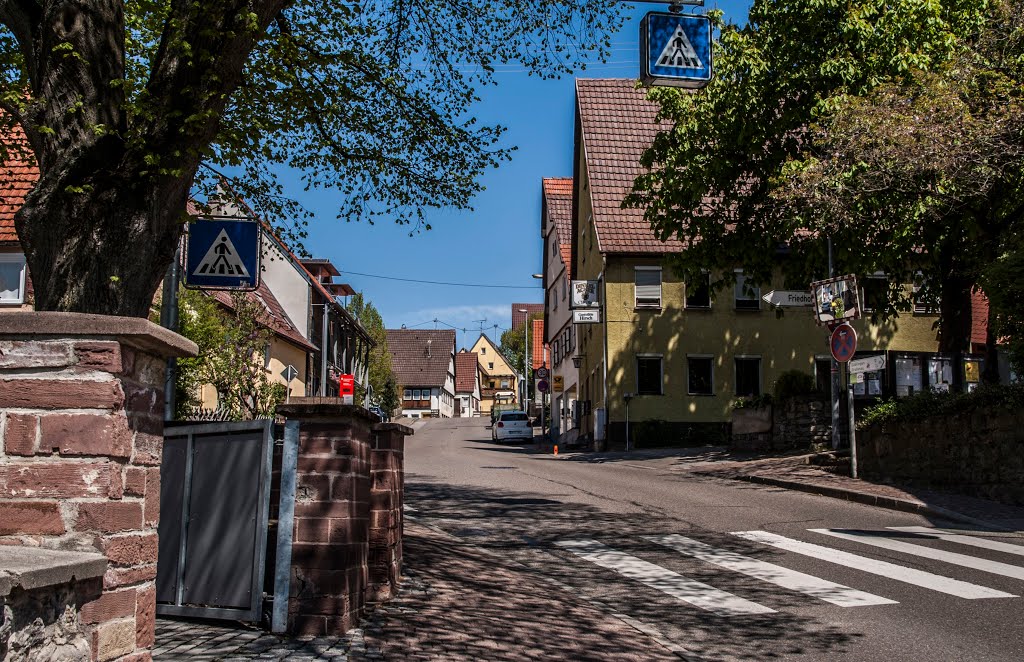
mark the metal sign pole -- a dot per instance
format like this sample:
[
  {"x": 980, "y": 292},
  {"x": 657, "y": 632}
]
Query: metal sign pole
[
  {"x": 853, "y": 427},
  {"x": 836, "y": 383},
  {"x": 169, "y": 320}
]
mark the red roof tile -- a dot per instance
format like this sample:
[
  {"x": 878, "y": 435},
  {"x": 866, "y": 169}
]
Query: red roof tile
[
  {"x": 617, "y": 124},
  {"x": 979, "y": 318},
  {"x": 421, "y": 357},
  {"x": 518, "y": 318},
  {"x": 558, "y": 203},
  {"x": 277, "y": 319},
  {"x": 18, "y": 174},
  {"x": 467, "y": 365},
  {"x": 537, "y": 345}
]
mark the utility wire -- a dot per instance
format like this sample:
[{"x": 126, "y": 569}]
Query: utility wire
[{"x": 438, "y": 282}]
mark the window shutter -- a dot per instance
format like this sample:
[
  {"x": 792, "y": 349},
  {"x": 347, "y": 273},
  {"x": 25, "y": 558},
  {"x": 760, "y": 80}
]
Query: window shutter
[{"x": 648, "y": 287}]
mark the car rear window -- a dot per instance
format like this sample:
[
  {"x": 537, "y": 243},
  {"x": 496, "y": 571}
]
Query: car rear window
[{"x": 513, "y": 417}]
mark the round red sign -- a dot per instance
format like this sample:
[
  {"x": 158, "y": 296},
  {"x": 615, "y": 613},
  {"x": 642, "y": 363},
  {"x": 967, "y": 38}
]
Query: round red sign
[{"x": 843, "y": 343}]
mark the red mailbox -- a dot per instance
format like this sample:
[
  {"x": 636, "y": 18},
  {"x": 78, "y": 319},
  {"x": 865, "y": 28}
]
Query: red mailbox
[{"x": 347, "y": 387}]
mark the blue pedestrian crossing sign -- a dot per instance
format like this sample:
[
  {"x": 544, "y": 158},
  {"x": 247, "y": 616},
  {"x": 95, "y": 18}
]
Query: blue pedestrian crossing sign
[
  {"x": 675, "y": 50},
  {"x": 223, "y": 254}
]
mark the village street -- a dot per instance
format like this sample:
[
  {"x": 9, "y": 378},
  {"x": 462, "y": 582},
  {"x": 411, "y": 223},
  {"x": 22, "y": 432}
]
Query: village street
[{"x": 513, "y": 553}]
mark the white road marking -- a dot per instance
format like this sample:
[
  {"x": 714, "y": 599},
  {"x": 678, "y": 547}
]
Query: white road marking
[
  {"x": 837, "y": 594},
  {"x": 994, "y": 545},
  {"x": 666, "y": 581},
  {"x": 867, "y": 538},
  {"x": 883, "y": 568}
]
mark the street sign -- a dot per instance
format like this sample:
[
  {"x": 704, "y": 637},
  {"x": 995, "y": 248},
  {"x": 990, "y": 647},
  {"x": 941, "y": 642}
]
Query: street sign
[
  {"x": 542, "y": 373},
  {"x": 558, "y": 382},
  {"x": 542, "y": 386},
  {"x": 843, "y": 343},
  {"x": 789, "y": 298},
  {"x": 586, "y": 316},
  {"x": 223, "y": 254},
  {"x": 836, "y": 300},
  {"x": 675, "y": 50},
  {"x": 584, "y": 294},
  {"x": 867, "y": 364}
]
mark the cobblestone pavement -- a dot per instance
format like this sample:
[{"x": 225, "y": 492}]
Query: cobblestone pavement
[{"x": 457, "y": 602}]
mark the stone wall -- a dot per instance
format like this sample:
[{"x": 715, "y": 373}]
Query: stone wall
[
  {"x": 81, "y": 437},
  {"x": 42, "y": 593},
  {"x": 979, "y": 453},
  {"x": 348, "y": 514},
  {"x": 801, "y": 422},
  {"x": 387, "y": 486}
]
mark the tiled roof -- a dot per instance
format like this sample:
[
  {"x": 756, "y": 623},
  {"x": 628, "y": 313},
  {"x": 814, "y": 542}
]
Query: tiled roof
[
  {"x": 17, "y": 177},
  {"x": 279, "y": 322},
  {"x": 537, "y": 345},
  {"x": 518, "y": 318},
  {"x": 617, "y": 124},
  {"x": 420, "y": 357},
  {"x": 558, "y": 201},
  {"x": 466, "y": 367},
  {"x": 979, "y": 317}
]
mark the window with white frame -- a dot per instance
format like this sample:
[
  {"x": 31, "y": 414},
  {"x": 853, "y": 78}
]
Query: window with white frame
[
  {"x": 747, "y": 295},
  {"x": 648, "y": 374},
  {"x": 12, "y": 278},
  {"x": 748, "y": 376},
  {"x": 648, "y": 287}
]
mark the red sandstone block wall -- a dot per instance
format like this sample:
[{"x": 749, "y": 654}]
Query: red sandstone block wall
[{"x": 81, "y": 433}]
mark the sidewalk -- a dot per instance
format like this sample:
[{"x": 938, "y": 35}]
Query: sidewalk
[
  {"x": 793, "y": 472},
  {"x": 457, "y": 602}
]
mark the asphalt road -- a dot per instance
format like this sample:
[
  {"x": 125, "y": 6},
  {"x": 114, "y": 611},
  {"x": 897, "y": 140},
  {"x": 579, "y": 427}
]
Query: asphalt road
[{"x": 809, "y": 578}]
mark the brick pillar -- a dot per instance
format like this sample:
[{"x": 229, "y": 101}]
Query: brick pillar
[
  {"x": 81, "y": 437},
  {"x": 332, "y": 516},
  {"x": 387, "y": 486}
]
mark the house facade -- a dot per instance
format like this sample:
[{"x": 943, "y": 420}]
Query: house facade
[
  {"x": 673, "y": 353},
  {"x": 17, "y": 177},
  {"x": 499, "y": 378},
  {"x": 559, "y": 332},
  {"x": 423, "y": 361},
  {"x": 467, "y": 384}
]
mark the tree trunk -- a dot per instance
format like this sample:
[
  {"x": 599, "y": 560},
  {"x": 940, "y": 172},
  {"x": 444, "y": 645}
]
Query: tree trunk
[{"x": 104, "y": 250}]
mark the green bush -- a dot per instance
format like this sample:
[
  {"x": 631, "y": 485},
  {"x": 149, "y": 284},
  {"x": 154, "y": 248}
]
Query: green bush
[
  {"x": 757, "y": 402},
  {"x": 927, "y": 404},
  {"x": 791, "y": 383}
]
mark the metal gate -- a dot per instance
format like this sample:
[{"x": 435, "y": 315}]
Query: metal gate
[{"x": 214, "y": 505}]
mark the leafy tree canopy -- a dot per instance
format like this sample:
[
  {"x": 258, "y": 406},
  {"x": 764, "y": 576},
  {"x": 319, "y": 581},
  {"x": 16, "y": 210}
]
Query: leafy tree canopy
[
  {"x": 513, "y": 343},
  {"x": 383, "y": 385},
  {"x": 128, "y": 106},
  {"x": 891, "y": 126}
]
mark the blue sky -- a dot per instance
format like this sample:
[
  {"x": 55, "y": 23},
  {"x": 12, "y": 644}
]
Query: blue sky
[{"x": 497, "y": 243}]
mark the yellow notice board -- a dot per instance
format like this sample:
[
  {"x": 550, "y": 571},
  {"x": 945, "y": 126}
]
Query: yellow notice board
[
  {"x": 972, "y": 371},
  {"x": 558, "y": 382}
]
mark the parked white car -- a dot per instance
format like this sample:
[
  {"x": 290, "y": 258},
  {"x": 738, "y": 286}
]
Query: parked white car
[{"x": 512, "y": 425}]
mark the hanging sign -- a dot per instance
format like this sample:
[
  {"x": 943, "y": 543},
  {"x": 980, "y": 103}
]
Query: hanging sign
[
  {"x": 675, "y": 50},
  {"x": 586, "y": 316},
  {"x": 584, "y": 294},
  {"x": 223, "y": 254}
]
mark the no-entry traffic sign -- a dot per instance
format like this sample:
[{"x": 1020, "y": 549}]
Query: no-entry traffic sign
[{"x": 843, "y": 343}]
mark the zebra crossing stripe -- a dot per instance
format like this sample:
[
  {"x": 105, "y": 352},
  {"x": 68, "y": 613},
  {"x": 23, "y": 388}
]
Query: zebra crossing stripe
[
  {"x": 837, "y": 594},
  {"x": 664, "y": 580},
  {"x": 870, "y": 538},
  {"x": 994, "y": 545},
  {"x": 890, "y": 570}
]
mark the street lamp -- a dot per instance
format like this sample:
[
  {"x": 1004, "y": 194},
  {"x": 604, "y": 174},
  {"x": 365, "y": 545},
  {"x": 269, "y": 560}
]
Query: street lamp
[{"x": 526, "y": 353}]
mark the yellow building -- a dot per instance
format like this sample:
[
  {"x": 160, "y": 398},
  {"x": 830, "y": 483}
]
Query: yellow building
[
  {"x": 499, "y": 380},
  {"x": 676, "y": 354}
]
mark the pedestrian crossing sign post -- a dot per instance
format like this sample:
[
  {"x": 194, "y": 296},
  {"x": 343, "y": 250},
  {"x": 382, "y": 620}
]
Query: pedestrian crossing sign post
[
  {"x": 675, "y": 50},
  {"x": 223, "y": 254}
]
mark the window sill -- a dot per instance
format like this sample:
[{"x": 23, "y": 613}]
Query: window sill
[
  {"x": 650, "y": 309},
  {"x": 747, "y": 310},
  {"x": 701, "y": 395},
  {"x": 706, "y": 309}
]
